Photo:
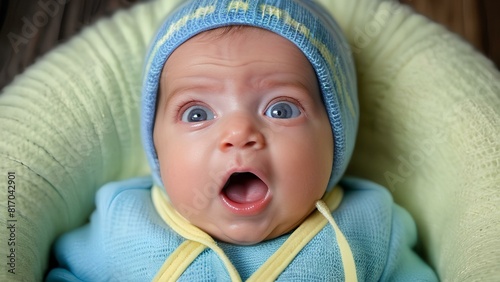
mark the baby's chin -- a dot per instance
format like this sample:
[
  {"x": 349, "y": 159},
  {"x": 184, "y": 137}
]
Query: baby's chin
[
  {"x": 245, "y": 240},
  {"x": 241, "y": 241},
  {"x": 251, "y": 236}
]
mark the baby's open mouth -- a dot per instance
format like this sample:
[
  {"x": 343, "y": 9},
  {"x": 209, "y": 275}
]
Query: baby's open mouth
[{"x": 245, "y": 193}]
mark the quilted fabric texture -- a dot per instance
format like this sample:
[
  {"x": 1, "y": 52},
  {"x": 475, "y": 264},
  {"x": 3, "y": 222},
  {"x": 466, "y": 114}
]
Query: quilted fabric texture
[{"x": 429, "y": 131}]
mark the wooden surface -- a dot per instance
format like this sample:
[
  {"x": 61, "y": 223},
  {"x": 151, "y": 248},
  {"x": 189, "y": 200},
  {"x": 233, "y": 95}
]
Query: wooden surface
[
  {"x": 477, "y": 21},
  {"x": 28, "y": 29}
]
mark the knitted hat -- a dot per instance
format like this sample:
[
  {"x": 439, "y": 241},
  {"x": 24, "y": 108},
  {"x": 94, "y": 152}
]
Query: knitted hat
[{"x": 304, "y": 23}]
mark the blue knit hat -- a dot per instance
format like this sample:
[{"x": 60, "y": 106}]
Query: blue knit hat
[{"x": 304, "y": 23}]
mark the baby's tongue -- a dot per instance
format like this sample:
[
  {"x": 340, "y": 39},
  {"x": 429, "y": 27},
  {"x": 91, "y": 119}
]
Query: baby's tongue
[{"x": 245, "y": 188}]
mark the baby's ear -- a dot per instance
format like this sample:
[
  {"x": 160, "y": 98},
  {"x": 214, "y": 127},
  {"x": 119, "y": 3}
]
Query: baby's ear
[{"x": 429, "y": 130}]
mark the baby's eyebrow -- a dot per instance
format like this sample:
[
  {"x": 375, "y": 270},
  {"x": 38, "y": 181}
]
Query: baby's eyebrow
[
  {"x": 193, "y": 88},
  {"x": 296, "y": 84},
  {"x": 191, "y": 85}
]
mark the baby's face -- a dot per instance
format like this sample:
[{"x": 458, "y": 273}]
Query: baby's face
[{"x": 243, "y": 140}]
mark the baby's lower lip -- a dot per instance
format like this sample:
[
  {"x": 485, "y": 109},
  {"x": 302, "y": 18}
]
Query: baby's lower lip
[{"x": 248, "y": 208}]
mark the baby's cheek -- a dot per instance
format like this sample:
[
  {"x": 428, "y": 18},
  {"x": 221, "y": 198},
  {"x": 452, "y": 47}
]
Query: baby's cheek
[
  {"x": 310, "y": 165},
  {"x": 180, "y": 197}
]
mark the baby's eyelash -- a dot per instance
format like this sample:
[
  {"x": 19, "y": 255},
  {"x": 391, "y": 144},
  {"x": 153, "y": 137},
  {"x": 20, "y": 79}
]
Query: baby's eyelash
[
  {"x": 295, "y": 101},
  {"x": 179, "y": 107}
]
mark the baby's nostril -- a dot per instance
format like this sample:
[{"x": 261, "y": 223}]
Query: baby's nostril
[{"x": 251, "y": 143}]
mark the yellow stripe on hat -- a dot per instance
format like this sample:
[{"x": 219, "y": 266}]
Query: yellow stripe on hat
[{"x": 238, "y": 5}]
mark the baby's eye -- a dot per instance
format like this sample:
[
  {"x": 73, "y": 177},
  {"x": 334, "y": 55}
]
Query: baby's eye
[
  {"x": 197, "y": 113},
  {"x": 283, "y": 110}
]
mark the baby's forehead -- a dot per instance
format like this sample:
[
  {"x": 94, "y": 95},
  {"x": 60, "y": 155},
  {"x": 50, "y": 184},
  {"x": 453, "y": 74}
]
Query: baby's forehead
[
  {"x": 235, "y": 32},
  {"x": 236, "y": 44},
  {"x": 232, "y": 34}
]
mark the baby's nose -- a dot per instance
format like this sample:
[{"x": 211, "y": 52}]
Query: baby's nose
[{"x": 241, "y": 131}]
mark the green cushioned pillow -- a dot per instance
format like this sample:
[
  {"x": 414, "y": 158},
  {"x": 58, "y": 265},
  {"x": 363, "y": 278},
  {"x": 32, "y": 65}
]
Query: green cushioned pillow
[{"x": 429, "y": 131}]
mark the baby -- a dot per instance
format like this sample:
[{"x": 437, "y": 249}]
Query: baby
[{"x": 249, "y": 119}]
